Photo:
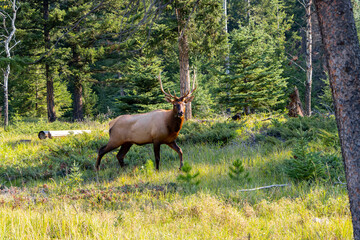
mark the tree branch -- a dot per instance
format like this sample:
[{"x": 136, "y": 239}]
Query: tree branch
[
  {"x": 3, "y": 13},
  {"x": 302, "y": 3},
  {"x": 16, "y": 43},
  {"x": 294, "y": 61},
  {"x": 265, "y": 187},
  {"x": 4, "y": 23}
]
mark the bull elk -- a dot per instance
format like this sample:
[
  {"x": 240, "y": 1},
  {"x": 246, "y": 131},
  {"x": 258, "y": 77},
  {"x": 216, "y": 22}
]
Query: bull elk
[{"x": 156, "y": 127}]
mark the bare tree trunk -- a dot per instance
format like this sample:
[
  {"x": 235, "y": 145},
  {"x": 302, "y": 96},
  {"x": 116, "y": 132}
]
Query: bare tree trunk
[
  {"x": 6, "y": 96},
  {"x": 342, "y": 51},
  {"x": 49, "y": 80},
  {"x": 309, "y": 69},
  {"x": 184, "y": 60},
  {"x": 7, "y": 44}
]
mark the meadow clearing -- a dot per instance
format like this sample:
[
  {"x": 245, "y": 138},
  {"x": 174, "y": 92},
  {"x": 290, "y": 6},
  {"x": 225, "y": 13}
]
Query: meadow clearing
[{"x": 49, "y": 189}]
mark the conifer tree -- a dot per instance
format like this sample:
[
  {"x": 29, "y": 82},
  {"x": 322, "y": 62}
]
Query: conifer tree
[{"x": 255, "y": 80}]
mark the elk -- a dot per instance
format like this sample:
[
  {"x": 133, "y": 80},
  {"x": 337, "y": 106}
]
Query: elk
[{"x": 156, "y": 127}]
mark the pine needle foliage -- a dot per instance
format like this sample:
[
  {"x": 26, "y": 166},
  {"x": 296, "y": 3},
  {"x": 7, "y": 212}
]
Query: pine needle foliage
[
  {"x": 304, "y": 165},
  {"x": 309, "y": 166},
  {"x": 188, "y": 177},
  {"x": 255, "y": 78},
  {"x": 237, "y": 171},
  {"x": 75, "y": 178}
]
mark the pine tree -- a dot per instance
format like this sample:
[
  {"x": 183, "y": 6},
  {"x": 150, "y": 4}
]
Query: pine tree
[{"x": 255, "y": 80}]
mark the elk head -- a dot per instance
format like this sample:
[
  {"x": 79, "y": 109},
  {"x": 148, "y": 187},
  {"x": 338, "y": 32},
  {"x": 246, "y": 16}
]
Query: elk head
[{"x": 178, "y": 102}]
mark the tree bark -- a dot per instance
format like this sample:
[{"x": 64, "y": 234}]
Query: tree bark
[
  {"x": 49, "y": 80},
  {"x": 184, "y": 60},
  {"x": 309, "y": 69},
  {"x": 78, "y": 102},
  {"x": 295, "y": 106},
  {"x": 78, "y": 111},
  {"x": 342, "y": 52}
]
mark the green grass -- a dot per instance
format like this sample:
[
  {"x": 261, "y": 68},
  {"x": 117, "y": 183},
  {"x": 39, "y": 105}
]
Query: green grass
[{"x": 39, "y": 198}]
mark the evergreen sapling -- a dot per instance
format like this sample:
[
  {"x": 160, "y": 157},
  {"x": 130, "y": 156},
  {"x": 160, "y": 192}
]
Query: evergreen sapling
[
  {"x": 187, "y": 177},
  {"x": 237, "y": 171}
]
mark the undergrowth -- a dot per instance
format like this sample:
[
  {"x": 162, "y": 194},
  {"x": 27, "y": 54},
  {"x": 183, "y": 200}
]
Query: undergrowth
[
  {"x": 305, "y": 165},
  {"x": 49, "y": 189},
  {"x": 319, "y": 129}
]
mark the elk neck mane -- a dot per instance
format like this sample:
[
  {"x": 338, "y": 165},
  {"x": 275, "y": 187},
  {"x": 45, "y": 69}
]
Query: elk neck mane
[{"x": 174, "y": 124}]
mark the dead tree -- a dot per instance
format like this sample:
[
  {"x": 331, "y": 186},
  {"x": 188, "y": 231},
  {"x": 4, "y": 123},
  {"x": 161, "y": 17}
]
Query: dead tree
[
  {"x": 309, "y": 69},
  {"x": 9, "y": 42},
  {"x": 295, "y": 106}
]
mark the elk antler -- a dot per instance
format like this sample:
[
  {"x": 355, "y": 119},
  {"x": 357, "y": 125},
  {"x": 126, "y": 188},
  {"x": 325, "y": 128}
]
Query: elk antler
[
  {"x": 162, "y": 89},
  {"x": 188, "y": 93}
]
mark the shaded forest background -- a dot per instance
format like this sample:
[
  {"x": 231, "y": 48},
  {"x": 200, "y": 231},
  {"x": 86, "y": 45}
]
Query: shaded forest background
[{"x": 103, "y": 57}]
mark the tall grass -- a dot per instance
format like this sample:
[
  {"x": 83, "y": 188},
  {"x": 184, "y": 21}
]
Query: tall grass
[{"x": 39, "y": 198}]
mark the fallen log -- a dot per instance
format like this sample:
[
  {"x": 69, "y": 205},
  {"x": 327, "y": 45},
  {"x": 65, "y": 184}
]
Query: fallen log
[{"x": 52, "y": 134}]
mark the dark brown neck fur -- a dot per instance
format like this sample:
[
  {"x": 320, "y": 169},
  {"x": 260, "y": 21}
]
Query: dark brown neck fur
[{"x": 175, "y": 123}]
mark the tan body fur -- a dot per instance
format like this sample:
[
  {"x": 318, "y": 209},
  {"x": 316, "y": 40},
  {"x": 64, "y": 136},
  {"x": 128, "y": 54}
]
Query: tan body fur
[{"x": 143, "y": 128}]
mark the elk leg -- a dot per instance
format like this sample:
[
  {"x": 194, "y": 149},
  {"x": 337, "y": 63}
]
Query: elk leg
[
  {"x": 123, "y": 151},
  {"x": 174, "y": 146},
  {"x": 157, "y": 155},
  {"x": 102, "y": 151}
]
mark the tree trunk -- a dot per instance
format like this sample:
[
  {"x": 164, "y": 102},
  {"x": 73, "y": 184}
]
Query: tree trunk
[
  {"x": 8, "y": 48},
  {"x": 248, "y": 9},
  {"x": 184, "y": 60},
  {"x": 309, "y": 69},
  {"x": 295, "y": 106},
  {"x": 342, "y": 51},
  {"x": 6, "y": 96},
  {"x": 49, "y": 80},
  {"x": 78, "y": 103},
  {"x": 78, "y": 111}
]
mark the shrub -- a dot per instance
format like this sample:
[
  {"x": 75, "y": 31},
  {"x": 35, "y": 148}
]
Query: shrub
[
  {"x": 308, "y": 128},
  {"x": 308, "y": 166},
  {"x": 149, "y": 168},
  {"x": 208, "y": 132},
  {"x": 329, "y": 139}
]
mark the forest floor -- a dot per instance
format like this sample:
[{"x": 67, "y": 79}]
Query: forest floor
[{"x": 49, "y": 189}]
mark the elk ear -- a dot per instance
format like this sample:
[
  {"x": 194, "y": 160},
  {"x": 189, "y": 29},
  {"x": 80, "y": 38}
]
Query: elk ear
[
  {"x": 189, "y": 99},
  {"x": 169, "y": 100}
]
